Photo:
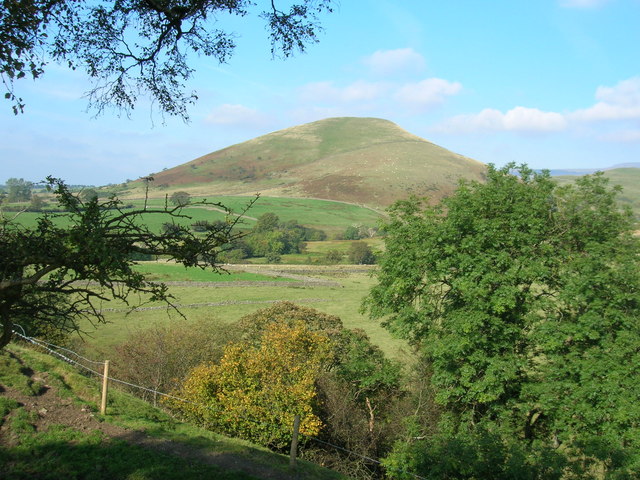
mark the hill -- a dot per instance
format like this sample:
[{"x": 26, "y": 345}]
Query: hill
[
  {"x": 627, "y": 178},
  {"x": 367, "y": 161}
]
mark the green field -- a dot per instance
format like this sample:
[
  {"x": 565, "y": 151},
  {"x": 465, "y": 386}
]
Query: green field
[
  {"x": 332, "y": 217},
  {"x": 340, "y": 292},
  {"x": 172, "y": 272}
]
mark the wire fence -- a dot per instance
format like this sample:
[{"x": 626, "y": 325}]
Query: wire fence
[{"x": 55, "y": 350}]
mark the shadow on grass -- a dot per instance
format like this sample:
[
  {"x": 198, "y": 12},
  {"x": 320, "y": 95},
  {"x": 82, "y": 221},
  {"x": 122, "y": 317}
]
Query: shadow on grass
[{"x": 68, "y": 454}]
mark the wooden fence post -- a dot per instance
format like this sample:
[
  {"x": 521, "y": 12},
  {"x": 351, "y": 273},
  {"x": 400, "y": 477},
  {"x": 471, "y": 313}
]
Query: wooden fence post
[
  {"x": 105, "y": 381},
  {"x": 294, "y": 441}
]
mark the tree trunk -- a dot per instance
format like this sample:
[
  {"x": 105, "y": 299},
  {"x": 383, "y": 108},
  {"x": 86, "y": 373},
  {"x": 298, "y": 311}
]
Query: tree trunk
[{"x": 7, "y": 325}]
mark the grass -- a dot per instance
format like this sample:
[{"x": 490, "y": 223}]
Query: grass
[
  {"x": 230, "y": 303},
  {"x": 64, "y": 452},
  {"x": 331, "y": 217},
  {"x": 171, "y": 272},
  {"x": 365, "y": 161}
]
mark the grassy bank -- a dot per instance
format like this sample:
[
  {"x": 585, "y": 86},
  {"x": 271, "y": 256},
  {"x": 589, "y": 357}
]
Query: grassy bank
[{"x": 133, "y": 441}]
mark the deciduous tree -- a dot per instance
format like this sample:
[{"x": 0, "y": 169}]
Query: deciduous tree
[
  {"x": 524, "y": 298},
  {"x": 180, "y": 198},
  {"x": 129, "y": 47},
  {"x": 65, "y": 267},
  {"x": 19, "y": 190}
]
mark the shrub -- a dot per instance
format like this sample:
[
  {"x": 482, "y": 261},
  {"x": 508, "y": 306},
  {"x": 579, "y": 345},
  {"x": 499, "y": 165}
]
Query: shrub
[
  {"x": 161, "y": 356},
  {"x": 360, "y": 253},
  {"x": 255, "y": 390}
]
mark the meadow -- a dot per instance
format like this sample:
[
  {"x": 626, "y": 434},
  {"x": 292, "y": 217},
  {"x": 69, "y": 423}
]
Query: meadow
[
  {"x": 337, "y": 290},
  {"x": 329, "y": 216}
]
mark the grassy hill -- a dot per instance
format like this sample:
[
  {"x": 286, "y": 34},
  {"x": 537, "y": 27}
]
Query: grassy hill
[
  {"x": 627, "y": 178},
  {"x": 366, "y": 161}
]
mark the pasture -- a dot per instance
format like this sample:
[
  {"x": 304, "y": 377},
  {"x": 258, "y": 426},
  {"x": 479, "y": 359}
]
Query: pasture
[
  {"x": 337, "y": 290},
  {"x": 332, "y": 217}
]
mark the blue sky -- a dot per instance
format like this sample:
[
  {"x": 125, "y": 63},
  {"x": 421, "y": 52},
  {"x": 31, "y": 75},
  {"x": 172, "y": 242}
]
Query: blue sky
[{"x": 553, "y": 83}]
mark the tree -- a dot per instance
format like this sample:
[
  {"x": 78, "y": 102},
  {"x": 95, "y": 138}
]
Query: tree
[
  {"x": 19, "y": 190},
  {"x": 333, "y": 256},
  {"x": 88, "y": 194},
  {"x": 254, "y": 324},
  {"x": 352, "y": 232},
  {"x": 37, "y": 203},
  {"x": 180, "y": 198},
  {"x": 136, "y": 46},
  {"x": 267, "y": 222},
  {"x": 360, "y": 253},
  {"x": 62, "y": 269},
  {"x": 524, "y": 298}
]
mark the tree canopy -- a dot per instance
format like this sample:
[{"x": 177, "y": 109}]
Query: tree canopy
[
  {"x": 19, "y": 190},
  {"x": 134, "y": 47},
  {"x": 62, "y": 269},
  {"x": 524, "y": 297}
]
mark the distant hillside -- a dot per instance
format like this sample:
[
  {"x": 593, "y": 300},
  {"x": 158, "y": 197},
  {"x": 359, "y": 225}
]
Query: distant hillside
[
  {"x": 366, "y": 161},
  {"x": 627, "y": 178},
  {"x": 587, "y": 171}
]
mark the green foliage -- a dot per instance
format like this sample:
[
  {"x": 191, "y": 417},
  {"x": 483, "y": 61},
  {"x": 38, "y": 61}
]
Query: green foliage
[
  {"x": 180, "y": 198},
  {"x": 360, "y": 392},
  {"x": 363, "y": 365},
  {"x": 360, "y": 253},
  {"x": 272, "y": 238},
  {"x": 133, "y": 48},
  {"x": 267, "y": 222},
  {"x": 88, "y": 194},
  {"x": 36, "y": 203},
  {"x": 352, "y": 232},
  {"x": 19, "y": 190},
  {"x": 288, "y": 313},
  {"x": 255, "y": 390},
  {"x": 333, "y": 256},
  {"x": 524, "y": 299},
  {"x": 60, "y": 271},
  {"x": 627, "y": 178},
  {"x": 477, "y": 456},
  {"x": 358, "y": 232}
]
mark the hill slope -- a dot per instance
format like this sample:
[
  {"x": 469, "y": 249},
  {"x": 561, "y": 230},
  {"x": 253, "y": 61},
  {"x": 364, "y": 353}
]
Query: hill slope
[{"x": 361, "y": 160}]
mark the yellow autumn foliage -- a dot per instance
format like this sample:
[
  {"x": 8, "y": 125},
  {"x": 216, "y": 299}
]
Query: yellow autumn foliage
[{"x": 256, "y": 389}]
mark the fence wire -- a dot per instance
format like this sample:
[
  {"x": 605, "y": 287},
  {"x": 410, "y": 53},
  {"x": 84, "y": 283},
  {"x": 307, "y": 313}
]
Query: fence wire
[{"x": 49, "y": 347}]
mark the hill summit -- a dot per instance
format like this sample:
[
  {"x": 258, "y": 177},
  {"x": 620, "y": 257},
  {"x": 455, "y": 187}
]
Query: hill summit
[{"x": 367, "y": 161}]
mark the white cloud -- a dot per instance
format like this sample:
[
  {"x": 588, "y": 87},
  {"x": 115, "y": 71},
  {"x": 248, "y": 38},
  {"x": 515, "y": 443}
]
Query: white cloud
[
  {"x": 328, "y": 92},
  {"x": 582, "y": 3},
  {"x": 236, "y": 115},
  {"x": 429, "y": 92},
  {"x": 621, "y": 102},
  {"x": 518, "y": 119},
  {"x": 386, "y": 62}
]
